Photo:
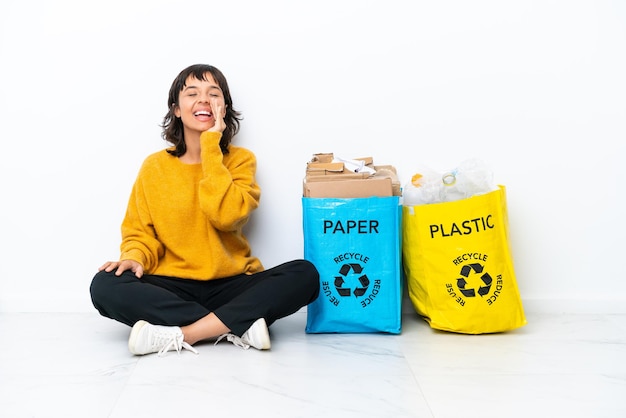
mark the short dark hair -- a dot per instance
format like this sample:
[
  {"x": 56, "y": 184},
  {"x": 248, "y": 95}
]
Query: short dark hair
[{"x": 173, "y": 126}]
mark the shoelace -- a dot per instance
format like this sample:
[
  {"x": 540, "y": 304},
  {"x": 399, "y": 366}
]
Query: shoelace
[
  {"x": 233, "y": 339},
  {"x": 176, "y": 342}
]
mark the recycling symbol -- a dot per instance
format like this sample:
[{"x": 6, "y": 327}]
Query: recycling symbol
[
  {"x": 465, "y": 273},
  {"x": 346, "y": 271}
]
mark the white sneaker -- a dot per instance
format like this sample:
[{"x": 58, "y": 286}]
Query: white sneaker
[
  {"x": 146, "y": 338},
  {"x": 256, "y": 336}
]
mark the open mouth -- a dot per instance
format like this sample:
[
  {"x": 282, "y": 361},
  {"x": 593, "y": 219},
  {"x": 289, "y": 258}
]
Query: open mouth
[{"x": 203, "y": 114}]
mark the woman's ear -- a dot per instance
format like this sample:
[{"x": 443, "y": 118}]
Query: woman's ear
[{"x": 176, "y": 110}]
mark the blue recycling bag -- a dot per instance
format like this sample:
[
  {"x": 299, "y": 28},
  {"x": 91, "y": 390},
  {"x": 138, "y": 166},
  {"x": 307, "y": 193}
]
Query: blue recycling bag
[{"x": 355, "y": 243}]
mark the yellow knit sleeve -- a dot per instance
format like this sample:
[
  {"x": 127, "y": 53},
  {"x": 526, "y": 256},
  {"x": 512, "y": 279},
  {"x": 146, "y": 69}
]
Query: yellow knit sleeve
[
  {"x": 139, "y": 240},
  {"x": 228, "y": 191}
]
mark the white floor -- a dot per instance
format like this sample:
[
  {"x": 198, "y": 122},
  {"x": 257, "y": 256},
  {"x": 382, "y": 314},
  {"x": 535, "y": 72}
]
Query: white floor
[{"x": 78, "y": 365}]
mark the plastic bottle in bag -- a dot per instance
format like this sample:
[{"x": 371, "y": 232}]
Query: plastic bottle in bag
[
  {"x": 422, "y": 189},
  {"x": 470, "y": 178}
]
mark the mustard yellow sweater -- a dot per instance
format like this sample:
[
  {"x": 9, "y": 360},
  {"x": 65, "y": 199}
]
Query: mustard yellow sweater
[{"x": 186, "y": 220}]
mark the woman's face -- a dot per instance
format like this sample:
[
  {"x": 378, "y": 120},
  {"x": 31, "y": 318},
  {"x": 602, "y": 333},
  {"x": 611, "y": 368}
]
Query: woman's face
[{"x": 198, "y": 102}]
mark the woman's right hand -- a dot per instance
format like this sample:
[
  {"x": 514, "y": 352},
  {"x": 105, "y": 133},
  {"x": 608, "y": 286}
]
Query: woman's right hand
[{"x": 122, "y": 266}]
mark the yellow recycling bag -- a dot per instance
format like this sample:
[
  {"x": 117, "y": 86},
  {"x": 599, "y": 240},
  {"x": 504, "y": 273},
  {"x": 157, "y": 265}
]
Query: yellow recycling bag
[{"x": 458, "y": 265}]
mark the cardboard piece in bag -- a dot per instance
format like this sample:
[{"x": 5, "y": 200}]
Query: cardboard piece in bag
[
  {"x": 373, "y": 186},
  {"x": 326, "y": 177}
]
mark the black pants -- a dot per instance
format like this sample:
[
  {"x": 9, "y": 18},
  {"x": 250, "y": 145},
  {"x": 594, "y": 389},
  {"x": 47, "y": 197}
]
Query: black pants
[{"x": 237, "y": 301}]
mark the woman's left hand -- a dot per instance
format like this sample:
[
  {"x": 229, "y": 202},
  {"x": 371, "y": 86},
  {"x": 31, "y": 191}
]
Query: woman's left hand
[{"x": 218, "y": 110}]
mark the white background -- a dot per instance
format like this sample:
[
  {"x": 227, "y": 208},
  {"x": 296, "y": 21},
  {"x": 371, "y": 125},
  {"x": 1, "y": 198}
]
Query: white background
[{"x": 536, "y": 89}]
